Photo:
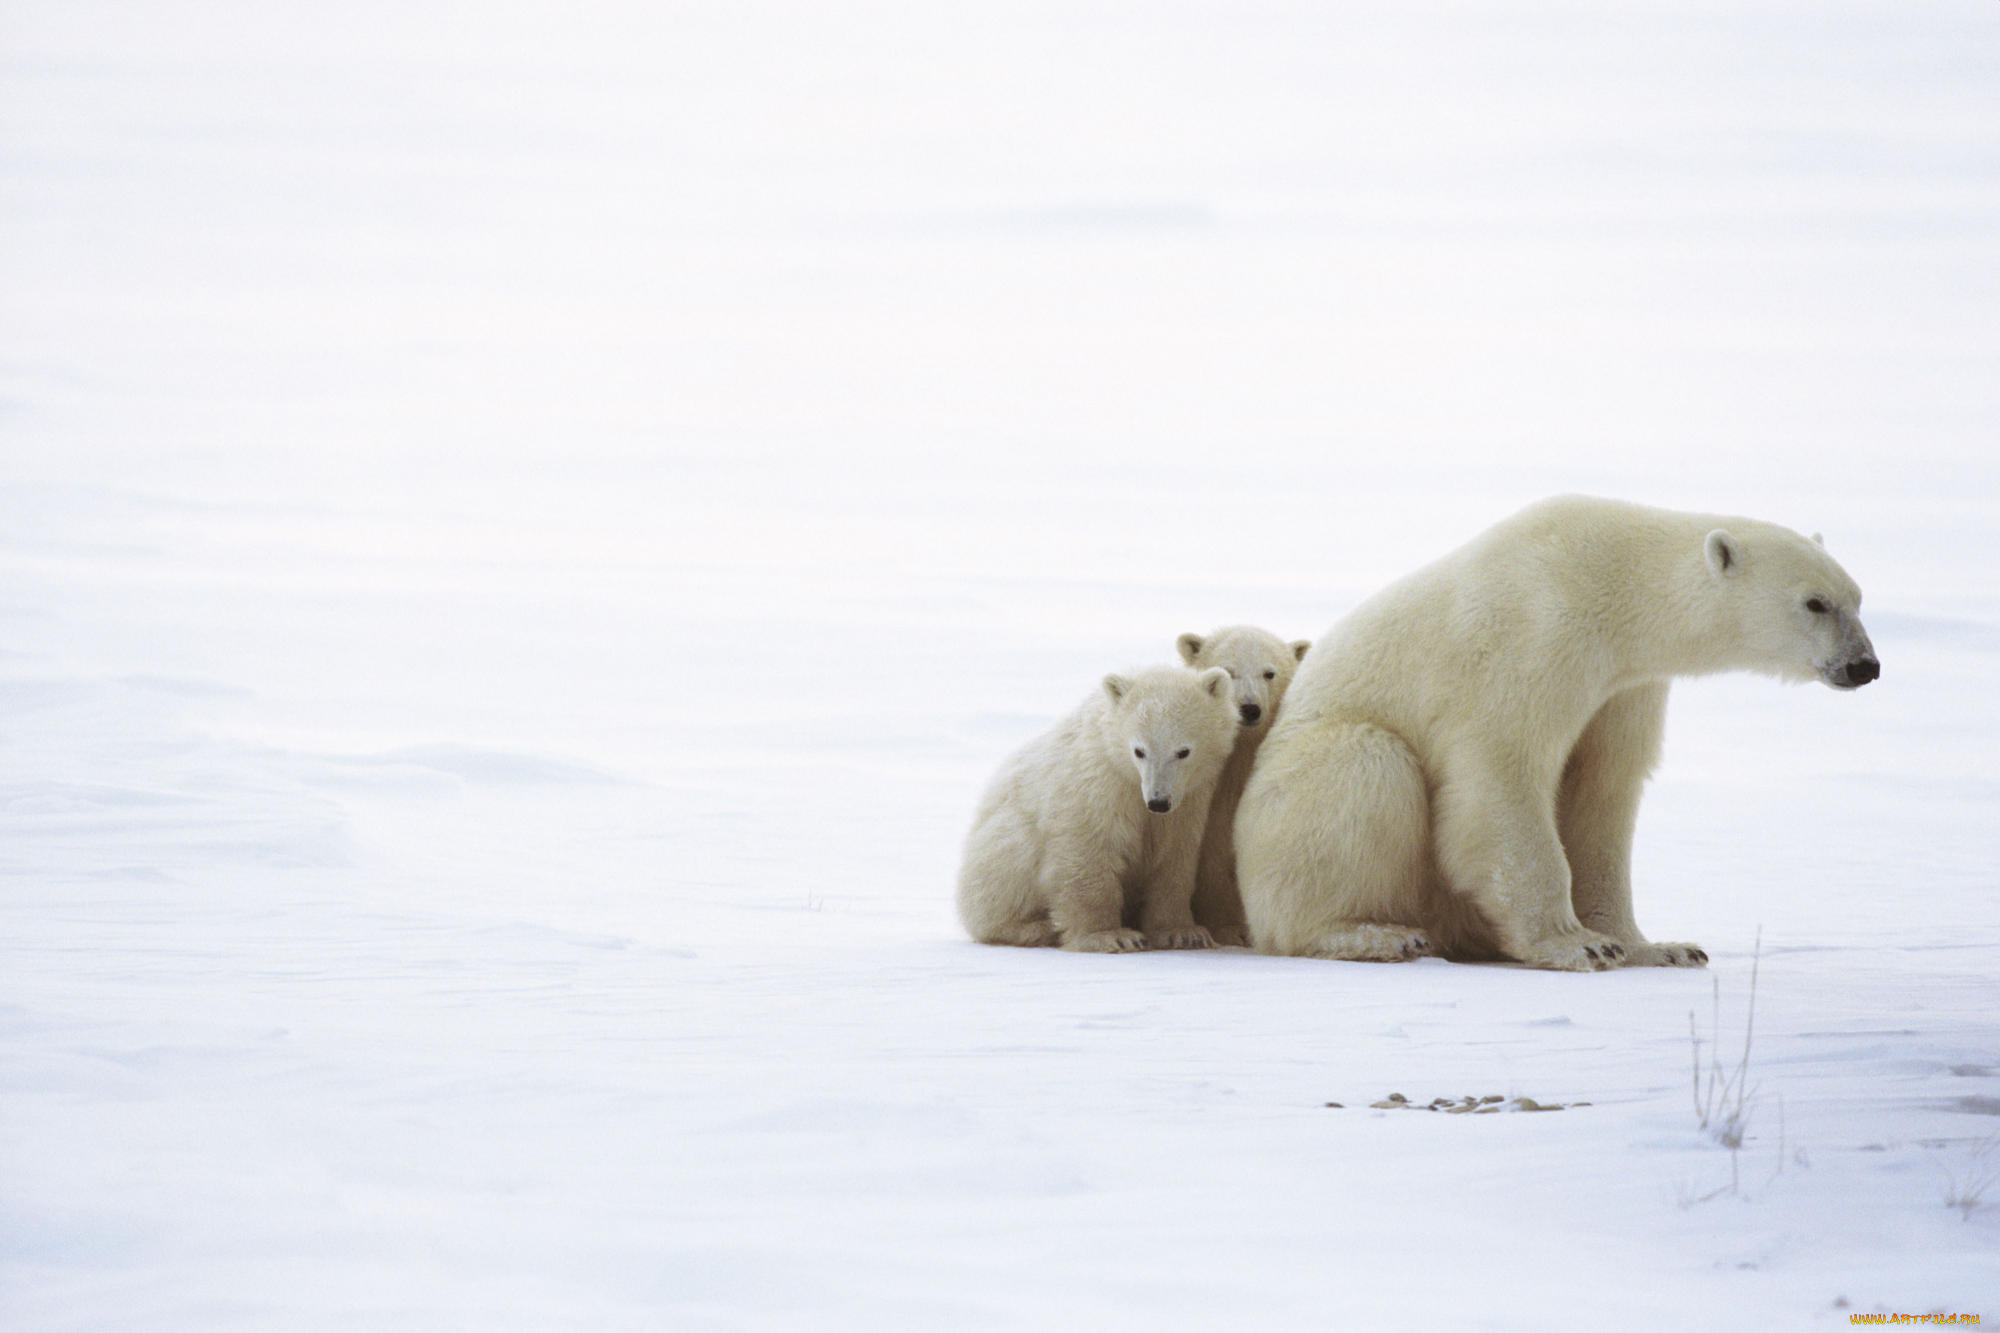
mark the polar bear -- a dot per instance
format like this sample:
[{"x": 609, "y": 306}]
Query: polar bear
[
  {"x": 1088, "y": 835},
  {"x": 1458, "y": 765},
  {"x": 1260, "y": 665}
]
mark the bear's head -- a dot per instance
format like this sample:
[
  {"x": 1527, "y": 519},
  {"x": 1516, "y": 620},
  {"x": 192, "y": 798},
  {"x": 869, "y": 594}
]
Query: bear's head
[
  {"x": 1259, "y": 663},
  {"x": 1797, "y": 613},
  {"x": 1174, "y": 726}
]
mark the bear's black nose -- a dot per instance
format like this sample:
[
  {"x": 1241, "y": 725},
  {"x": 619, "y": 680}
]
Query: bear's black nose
[
  {"x": 1159, "y": 805},
  {"x": 1249, "y": 713},
  {"x": 1860, "y": 673}
]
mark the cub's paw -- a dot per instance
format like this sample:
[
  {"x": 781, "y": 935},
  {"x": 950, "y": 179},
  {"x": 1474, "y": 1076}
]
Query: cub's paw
[
  {"x": 1230, "y": 937},
  {"x": 1585, "y": 951},
  {"x": 1120, "y": 940},
  {"x": 1369, "y": 943},
  {"x": 1666, "y": 955},
  {"x": 1181, "y": 937}
]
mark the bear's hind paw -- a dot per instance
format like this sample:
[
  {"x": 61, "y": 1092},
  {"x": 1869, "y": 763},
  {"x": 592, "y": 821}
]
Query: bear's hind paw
[
  {"x": 1585, "y": 951},
  {"x": 1120, "y": 940},
  {"x": 1367, "y": 942},
  {"x": 1666, "y": 955}
]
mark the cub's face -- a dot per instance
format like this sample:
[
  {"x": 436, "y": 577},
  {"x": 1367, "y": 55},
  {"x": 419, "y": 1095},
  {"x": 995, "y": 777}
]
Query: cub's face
[
  {"x": 1260, "y": 666},
  {"x": 1801, "y": 613},
  {"x": 1171, "y": 732}
]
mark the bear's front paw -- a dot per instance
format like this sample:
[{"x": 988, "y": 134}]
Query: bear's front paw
[
  {"x": 1585, "y": 951},
  {"x": 1666, "y": 955},
  {"x": 1230, "y": 937},
  {"x": 1181, "y": 937},
  {"x": 1120, "y": 940}
]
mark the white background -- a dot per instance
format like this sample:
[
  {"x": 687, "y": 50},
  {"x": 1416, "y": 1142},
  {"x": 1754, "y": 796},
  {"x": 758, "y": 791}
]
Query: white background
[{"x": 526, "y": 527}]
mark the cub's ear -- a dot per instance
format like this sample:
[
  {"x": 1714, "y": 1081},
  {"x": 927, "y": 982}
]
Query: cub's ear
[
  {"x": 1213, "y": 680},
  {"x": 1818, "y": 540},
  {"x": 1190, "y": 647},
  {"x": 1300, "y": 647},
  {"x": 1724, "y": 554},
  {"x": 1116, "y": 686}
]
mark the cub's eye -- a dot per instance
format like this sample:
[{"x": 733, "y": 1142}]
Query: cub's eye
[
  {"x": 1816, "y": 606},
  {"x": 1270, "y": 675},
  {"x": 1138, "y": 753},
  {"x": 1182, "y": 753}
]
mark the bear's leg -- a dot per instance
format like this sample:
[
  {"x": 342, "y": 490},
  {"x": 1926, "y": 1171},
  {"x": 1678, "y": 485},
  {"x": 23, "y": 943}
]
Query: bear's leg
[
  {"x": 998, "y": 897},
  {"x": 1085, "y": 898},
  {"x": 1165, "y": 912},
  {"x": 1217, "y": 903},
  {"x": 1597, "y": 807},
  {"x": 1331, "y": 846},
  {"x": 1497, "y": 848}
]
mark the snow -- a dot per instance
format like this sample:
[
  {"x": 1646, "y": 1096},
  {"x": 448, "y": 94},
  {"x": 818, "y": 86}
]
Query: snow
[{"x": 525, "y": 528}]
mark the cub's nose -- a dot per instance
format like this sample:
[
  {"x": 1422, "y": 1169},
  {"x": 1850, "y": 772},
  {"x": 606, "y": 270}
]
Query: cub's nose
[
  {"x": 1159, "y": 805},
  {"x": 1863, "y": 671},
  {"x": 1249, "y": 713}
]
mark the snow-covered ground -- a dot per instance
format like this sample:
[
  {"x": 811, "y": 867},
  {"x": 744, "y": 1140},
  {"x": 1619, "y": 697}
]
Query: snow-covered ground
[{"x": 525, "y": 528}]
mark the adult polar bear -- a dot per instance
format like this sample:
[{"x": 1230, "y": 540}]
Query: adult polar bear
[{"x": 1458, "y": 764}]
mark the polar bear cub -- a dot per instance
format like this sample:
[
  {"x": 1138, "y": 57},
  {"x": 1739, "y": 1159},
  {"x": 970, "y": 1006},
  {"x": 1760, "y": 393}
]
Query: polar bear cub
[
  {"x": 1260, "y": 666},
  {"x": 1458, "y": 765},
  {"x": 1088, "y": 836}
]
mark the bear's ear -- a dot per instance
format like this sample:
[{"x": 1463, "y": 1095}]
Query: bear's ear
[
  {"x": 1818, "y": 540},
  {"x": 1300, "y": 647},
  {"x": 1190, "y": 647},
  {"x": 1724, "y": 554},
  {"x": 1116, "y": 686},
  {"x": 1214, "y": 679}
]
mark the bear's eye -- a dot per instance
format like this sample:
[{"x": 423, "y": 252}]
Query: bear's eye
[
  {"x": 1270, "y": 675},
  {"x": 1816, "y": 606},
  {"x": 1182, "y": 753},
  {"x": 1138, "y": 753}
]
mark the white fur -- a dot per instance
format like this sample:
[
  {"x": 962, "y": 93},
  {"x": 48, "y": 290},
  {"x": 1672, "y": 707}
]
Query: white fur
[
  {"x": 1064, "y": 849},
  {"x": 1459, "y": 762},
  {"x": 1260, "y": 667}
]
